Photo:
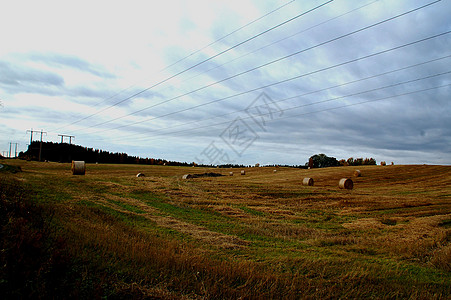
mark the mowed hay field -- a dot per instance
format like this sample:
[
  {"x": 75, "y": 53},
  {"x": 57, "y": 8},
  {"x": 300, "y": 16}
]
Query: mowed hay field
[{"x": 259, "y": 235}]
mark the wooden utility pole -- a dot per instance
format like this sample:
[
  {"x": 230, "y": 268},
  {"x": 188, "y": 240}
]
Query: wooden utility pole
[
  {"x": 15, "y": 153},
  {"x": 31, "y": 140},
  {"x": 69, "y": 136},
  {"x": 31, "y": 136},
  {"x": 40, "y": 145}
]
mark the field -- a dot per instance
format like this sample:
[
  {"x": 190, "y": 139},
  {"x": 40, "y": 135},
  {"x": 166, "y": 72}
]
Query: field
[{"x": 262, "y": 235}]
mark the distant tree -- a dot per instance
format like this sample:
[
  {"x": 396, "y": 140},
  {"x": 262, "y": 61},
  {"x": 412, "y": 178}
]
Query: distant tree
[
  {"x": 323, "y": 161},
  {"x": 369, "y": 161},
  {"x": 343, "y": 162},
  {"x": 358, "y": 162},
  {"x": 310, "y": 162}
]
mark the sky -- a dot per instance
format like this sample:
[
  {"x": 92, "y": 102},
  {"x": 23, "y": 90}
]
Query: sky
[{"x": 217, "y": 82}]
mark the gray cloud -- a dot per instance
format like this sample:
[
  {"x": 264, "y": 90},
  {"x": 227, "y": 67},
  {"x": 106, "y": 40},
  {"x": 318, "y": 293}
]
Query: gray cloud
[
  {"x": 18, "y": 75},
  {"x": 63, "y": 60}
]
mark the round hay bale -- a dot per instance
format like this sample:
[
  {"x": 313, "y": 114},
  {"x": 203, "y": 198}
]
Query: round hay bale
[
  {"x": 357, "y": 173},
  {"x": 346, "y": 183},
  {"x": 275, "y": 171},
  {"x": 187, "y": 176},
  {"x": 243, "y": 172},
  {"x": 140, "y": 175},
  {"x": 308, "y": 181},
  {"x": 78, "y": 167},
  {"x": 231, "y": 173}
]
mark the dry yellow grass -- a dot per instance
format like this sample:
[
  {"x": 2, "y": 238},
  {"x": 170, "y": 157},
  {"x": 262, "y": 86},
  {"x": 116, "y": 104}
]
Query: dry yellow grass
[{"x": 395, "y": 222}]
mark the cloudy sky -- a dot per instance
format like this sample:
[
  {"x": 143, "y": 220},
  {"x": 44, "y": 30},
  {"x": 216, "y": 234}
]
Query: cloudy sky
[{"x": 272, "y": 82}]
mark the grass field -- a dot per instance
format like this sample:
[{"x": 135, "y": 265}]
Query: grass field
[{"x": 261, "y": 235}]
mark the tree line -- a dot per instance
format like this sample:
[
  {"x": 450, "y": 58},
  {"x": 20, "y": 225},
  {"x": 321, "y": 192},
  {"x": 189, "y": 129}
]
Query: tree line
[{"x": 63, "y": 152}]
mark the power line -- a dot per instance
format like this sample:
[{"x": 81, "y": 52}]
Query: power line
[
  {"x": 280, "y": 40},
  {"x": 229, "y": 34},
  {"x": 263, "y": 65},
  {"x": 98, "y": 112},
  {"x": 285, "y": 38},
  {"x": 368, "y": 101},
  {"x": 322, "y": 101},
  {"x": 270, "y": 44},
  {"x": 327, "y": 109},
  {"x": 180, "y": 60},
  {"x": 305, "y": 94},
  {"x": 280, "y": 82},
  {"x": 211, "y": 57}
]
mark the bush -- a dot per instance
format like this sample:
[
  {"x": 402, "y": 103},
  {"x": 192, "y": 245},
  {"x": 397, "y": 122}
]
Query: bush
[
  {"x": 357, "y": 162},
  {"x": 323, "y": 161}
]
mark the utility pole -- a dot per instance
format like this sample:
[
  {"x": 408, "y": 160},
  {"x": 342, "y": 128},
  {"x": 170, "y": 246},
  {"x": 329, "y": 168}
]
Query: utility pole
[
  {"x": 31, "y": 140},
  {"x": 69, "y": 136},
  {"x": 10, "y": 144},
  {"x": 31, "y": 136},
  {"x": 40, "y": 145}
]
